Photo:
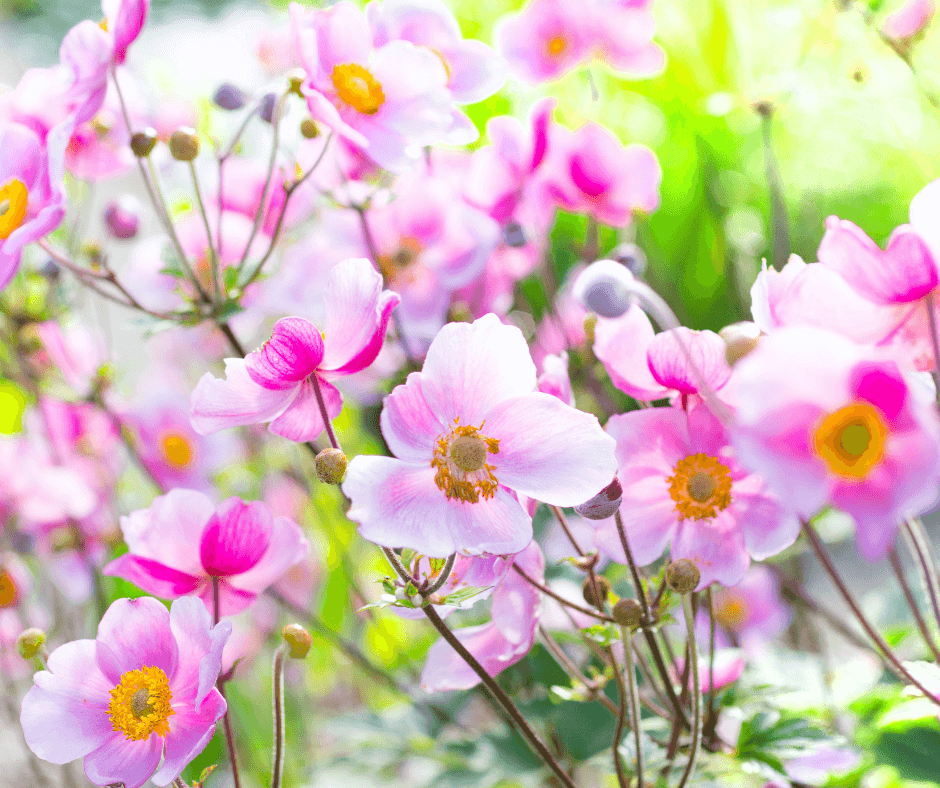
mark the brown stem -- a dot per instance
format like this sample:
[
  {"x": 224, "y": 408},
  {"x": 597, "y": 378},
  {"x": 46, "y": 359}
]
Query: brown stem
[
  {"x": 558, "y": 598},
  {"x": 327, "y": 423},
  {"x": 898, "y": 570}
]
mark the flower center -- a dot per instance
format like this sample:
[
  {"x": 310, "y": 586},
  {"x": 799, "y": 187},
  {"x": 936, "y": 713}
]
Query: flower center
[
  {"x": 177, "y": 449},
  {"x": 394, "y": 264},
  {"x": 851, "y": 440},
  {"x": 556, "y": 45},
  {"x": 460, "y": 458},
  {"x": 13, "y": 199},
  {"x": 358, "y": 88},
  {"x": 700, "y": 486},
  {"x": 140, "y": 704},
  {"x": 8, "y": 593},
  {"x": 731, "y": 613}
]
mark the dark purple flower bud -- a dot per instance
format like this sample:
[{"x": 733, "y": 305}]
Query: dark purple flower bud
[
  {"x": 229, "y": 96},
  {"x": 266, "y": 107},
  {"x": 631, "y": 256},
  {"x": 604, "y": 504},
  {"x": 121, "y": 217},
  {"x": 514, "y": 235}
]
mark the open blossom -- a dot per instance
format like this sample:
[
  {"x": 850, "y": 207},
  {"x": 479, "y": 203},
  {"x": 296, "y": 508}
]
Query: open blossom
[
  {"x": 142, "y": 691},
  {"x": 183, "y": 544},
  {"x": 390, "y": 100},
  {"x": 281, "y": 382},
  {"x": 549, "y": 38},
  {"x": 469, "y": 432},
  {"x": 829, "y": 422},
  {"x": 683, "y": 487},
  {"x": 502, "y": 641}
]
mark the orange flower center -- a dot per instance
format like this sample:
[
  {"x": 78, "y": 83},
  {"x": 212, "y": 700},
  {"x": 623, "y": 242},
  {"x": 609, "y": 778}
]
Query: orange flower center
[
  {"x": 9, "y": 595},
  {"x": 392, "y": 265},
  {"x": 357, "y": 87},
  {"x": 700, "y": 486},
  {"x": 13, "y": 200},
  {"x": 177, "y": 449},
  {"x": 731, "y": 612},
  {"x": 140, "y": 704},
  {"x": 851, "y": 440},
  {"x": 460, "y": 458},
  {"x": 556, "y": 45}
]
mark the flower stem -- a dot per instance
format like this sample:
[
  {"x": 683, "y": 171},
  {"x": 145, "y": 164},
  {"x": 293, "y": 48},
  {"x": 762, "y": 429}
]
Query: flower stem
[
  {"x": 214, "y": 262},
  {"x": 634, "y": 692},
  {"x": 442, "y": 578},
  {"x": 696, "y": 692},
  {"x": 919, "y": 546},
  {"x": 327, "y": 424},
  {"x": 898, "y": 570},
  {"x": 622, "y": 779},
  {"x": 558, "y": 598},
  {"x": 220, "y": 686},
  {"x": 501, "y": 697},
  {"x": 929, "y": 305},
  {"x": 277, "y": 767}
]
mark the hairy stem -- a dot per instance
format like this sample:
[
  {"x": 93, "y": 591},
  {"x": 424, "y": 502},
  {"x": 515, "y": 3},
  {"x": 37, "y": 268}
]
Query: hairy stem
[
  {"x": 277, "y": 766},
  {"x": 696, "y": 692},
  {"x": 898, "y": 570},
  {"x": 634, "y": 693}
]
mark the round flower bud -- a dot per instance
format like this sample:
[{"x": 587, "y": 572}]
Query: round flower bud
[
  {"x": 514, "y": 235},
  {"x": 295, "y": 78},
  {"x": 121, "y": 217},
  {"x": 30, "y": 642},
  {"x": 631, "y": 256},
  {"x": 184, "y": 144},
  {"x": 309, "y": 128},
  {"x": 331, "y": 466},
  {"x": 266, "y": 107},
  {"x": 297, "y": 639},
  {"x": 683, "y": 576},
  {"x": 229, "y": 96},
  {"x": 740, "y": 339},
  {"x": 604, "y": 504},
  {"x": 142, "y": 142},
  {"x": 628, "y": 613},
  {"x": 604, "y": 287},
  {"x": 601, "y": 584}
]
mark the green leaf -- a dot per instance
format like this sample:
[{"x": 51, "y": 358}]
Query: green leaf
[
  {"x": 463, "y": 594},
  {"x": 605, "y": 634},
  {"x": 914, "y": 752}
]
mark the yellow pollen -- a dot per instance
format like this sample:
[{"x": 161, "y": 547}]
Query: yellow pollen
[
  {"x": 140, "y": 704},
  {"x": 177, "y": 449},
  {"x": 13, "y": 201},
  {"x": 460, "y": 459},
  {"x": 851, "y": 440},
  {"x": 103, "y": 24},
  {"x": 700, "y": 486},
  {"x": 8, "y": 593},
  {"x": 557, "y": 45},
  {"x": 731, "y": 613},
  {"x": 392, "y": 266},
  {"x": 444, "y": 61},
  {"x": 358, "y": 88}
]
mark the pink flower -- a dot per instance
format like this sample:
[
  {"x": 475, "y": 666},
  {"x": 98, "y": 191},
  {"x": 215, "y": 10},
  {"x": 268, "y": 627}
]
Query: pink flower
[
  {"x": 183, "y": 542},
  {"x": 143, "y": 690},
  {"x": 908, "y": 20},
  {"x": 826, "y": 421},
  {"x": 279, "y": 382},
  {"x": 682, "y": 486},
  {"x": 499, "y": 643},
  {"x": 389, "y": 100},
  {"x": 752, "y": 613},
  {"x": 548, "y": 38},
  {"x": 590, "y": 171},
  {"x": 125, "y": 19},
  {"x": 469, "y": 431}
]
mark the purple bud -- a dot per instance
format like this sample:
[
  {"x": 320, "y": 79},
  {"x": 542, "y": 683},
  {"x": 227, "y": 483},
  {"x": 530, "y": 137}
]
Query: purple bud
[
  {"x": 266, "y": 107},
  {"x": 229, "y": 96},
  {"x": 514, "y": 235},
  {"x": 631, "y": 256},
  {"x": 604, "y": 504},
  {"x": 121, "y": 217}
]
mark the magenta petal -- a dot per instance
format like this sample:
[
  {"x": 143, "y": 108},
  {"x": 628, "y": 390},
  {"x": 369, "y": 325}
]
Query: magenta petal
[
  {"x": 235, "y": 537},
  {"x": 122, "y": 760},
  {"x": 293, "y": 352},
  {"x": 200, "y": 651},
  {"x": 288, "y": 546},
  {"x": 670, "y": 366},
  {"x": 549, "y": 450},
  {"x": 409, "y": 426},
  {"x": 134, "y": 633},
  {"x": 881, "y": 384},
  {"x": 126, "y": 19},
  {"x": 301, "y": 421},
  {"x": 65, "y": 715},
  {"x": 190, "y": 732},
  {"x": 152, "y": 576}
]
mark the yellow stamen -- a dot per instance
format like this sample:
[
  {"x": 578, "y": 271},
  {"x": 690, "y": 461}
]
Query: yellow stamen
[
  {"x": 140, "y": 704},
  {"x": 9, "y": 595},
  {"x": 460, "y": 458},
  {"x": 445, "y": 62},
  {"x": 557, "y": 45},
  {"x": 177, "y": 449},
  {"x": 357, "y": 87},
  {"x": 700, "y": 486},
  {"x": 731, "y": 612},
  {"x": 393, "y": 265},
  {"x": 13, "y": 201},
  {"x": 851, "y": 440}
]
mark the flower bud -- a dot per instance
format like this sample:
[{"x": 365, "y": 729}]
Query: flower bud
[
  {"x": 740, "y": 339},
  {"x": 604, "y": 287},
  {"x": 683, "y": 576},
  {"x": 229, "y": 96},
  {"x": 309, "y": 128},
  {"x": 121, "y": 217},
  {"x": 631, "y": 256},
  {"x": 331, "y": 466},
  {"x": 266, "y": 107},
  {"x": 604, "y": 504},
  {"x": 184, "y": 144},
  {"x": 297, "y": 639},
  {"x": 628, "y": 613},
  {"x": 142, "y": 142},
  {"x": 601, "y": 584},
  {"x": 514, "y": 235},
  {"x": 295, "y": 78},
  {"x": 30, "y": 642}
]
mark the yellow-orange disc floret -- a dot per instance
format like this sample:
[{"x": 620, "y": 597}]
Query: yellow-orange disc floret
[
  {"x": 851, "y": 440},
  {"x": 140, "y": 704},
  {"x": 356, "y": 86},
  {"x": 700, "y": 486},
  {"x": 14, "y": 198},
  {"x": 177, "y": 449},
  {"x": 460, "y": 458}
]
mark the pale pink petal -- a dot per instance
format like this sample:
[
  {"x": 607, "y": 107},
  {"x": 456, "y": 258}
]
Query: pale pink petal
[
  {"x": 649, "y": 520},
  {"x": 200, "y": 652},
  {"x": 190, "y": 731},
  {"x": 409, "y": 426},
  {"x": 293, "y": 352},
  {"x": 908, "y": 20},
  {"x": 670, "y": 365},
  {"x": 549, "y": 450},
  {"x": 301, "y": 420},
  {"x": 235, "y": 537},
  {"x": 767, "y": 526},
  {"x": 660, "y": 433},
  {"x": 216, "y": 404},
  {"x": 122, "y": 760},
  {"x": 621, "y": 344},
  {"x": 626, "y": 41},
  {"x": 471, "y": 367},
  {"x": 344, "y": 36},
  {"x": 134, "y": 633},
  {"x": 445, "y": 670},
  {"x": 716, "y": 546},
  {"x": 288, "y": 547},
  {"x": 499, "y": 525}
]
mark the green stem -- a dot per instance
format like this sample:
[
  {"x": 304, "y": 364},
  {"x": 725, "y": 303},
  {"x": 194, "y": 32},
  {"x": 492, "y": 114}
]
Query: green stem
[{"x": 696, "y": 692}]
